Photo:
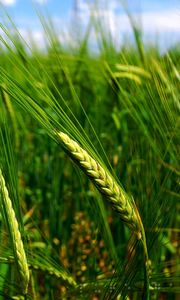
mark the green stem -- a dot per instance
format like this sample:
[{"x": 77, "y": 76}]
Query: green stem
[{"x": 146, "y": 294}]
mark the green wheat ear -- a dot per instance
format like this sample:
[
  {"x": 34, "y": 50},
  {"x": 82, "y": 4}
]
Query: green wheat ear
[
  {"x": 47, "y": 269},
  {"x": 108, "y": 186},
  {"x": 18, "y": 248},
  {"x": 105, "y": 183}
]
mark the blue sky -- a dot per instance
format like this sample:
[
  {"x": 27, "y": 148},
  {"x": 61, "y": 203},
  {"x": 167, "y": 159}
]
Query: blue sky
[{"x": 160, "y": 19}]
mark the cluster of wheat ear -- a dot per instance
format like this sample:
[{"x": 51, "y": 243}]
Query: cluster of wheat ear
[
  {"x": 105, "y": 183},
  {"x": 18, "y": 248}
]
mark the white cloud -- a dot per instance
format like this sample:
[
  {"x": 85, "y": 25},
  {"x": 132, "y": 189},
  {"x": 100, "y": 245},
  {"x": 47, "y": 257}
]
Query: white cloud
[
  {"x": 157, "y": 26},
  {"x": 159, "y": 21},
  {"x": 8, "y": 2},
  {"x": 162, "y": 21}
]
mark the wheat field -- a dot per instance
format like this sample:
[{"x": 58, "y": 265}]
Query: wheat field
[{"x": 89, "y": 169}]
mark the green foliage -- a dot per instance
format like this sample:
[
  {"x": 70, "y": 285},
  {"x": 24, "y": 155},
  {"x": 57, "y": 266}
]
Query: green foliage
[{"x": 122, "y": 106}]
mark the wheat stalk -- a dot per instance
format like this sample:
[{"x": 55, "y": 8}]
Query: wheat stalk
[
  {"x": 105, "y": 183},
  {"x": 15, "y": 234}
]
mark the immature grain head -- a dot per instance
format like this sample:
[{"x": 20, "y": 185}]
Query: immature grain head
[
  {"x": 105, "y": 183},
  {"x": 15, "y": 234},
  {"x": 58, "y": 274}
]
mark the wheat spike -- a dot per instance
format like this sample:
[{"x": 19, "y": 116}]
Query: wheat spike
[
  {"x": 47, "y": 269},
  {"x": 15, "y": 234},
  {"x": 55, "y": 273},
  {"x": 105, "y": 183}
]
